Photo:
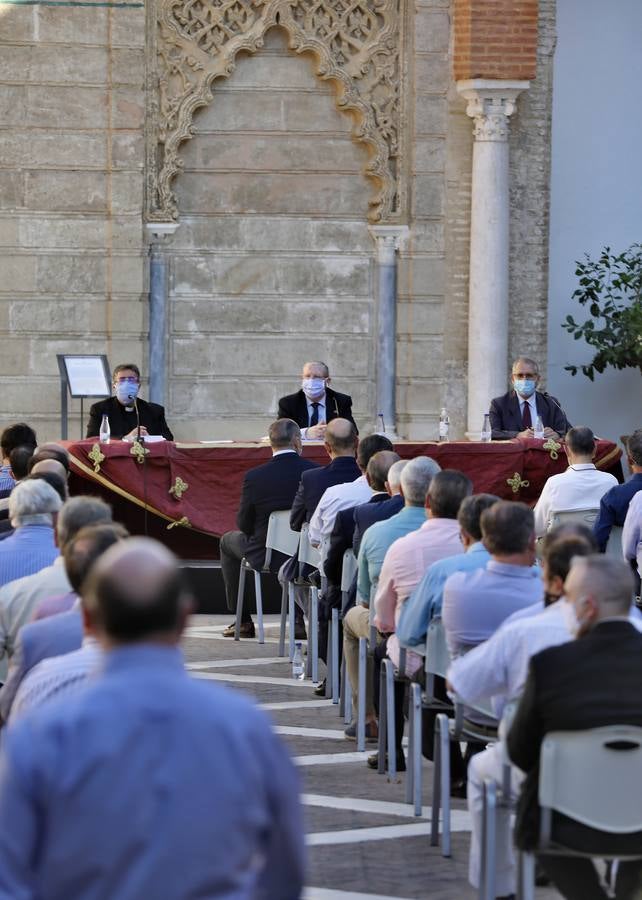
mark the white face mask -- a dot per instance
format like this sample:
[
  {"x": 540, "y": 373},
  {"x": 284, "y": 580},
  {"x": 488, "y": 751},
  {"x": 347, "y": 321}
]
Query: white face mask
[{"x": 313, "y": 388}]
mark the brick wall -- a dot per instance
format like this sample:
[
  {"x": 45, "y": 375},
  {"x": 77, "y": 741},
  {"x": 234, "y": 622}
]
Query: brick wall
[{"x": 495, "y": 39}]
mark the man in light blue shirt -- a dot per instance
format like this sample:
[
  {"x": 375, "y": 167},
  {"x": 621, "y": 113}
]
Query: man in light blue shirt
[
  {"x": 425, "y": 601},
  {"x": 32, "y": 546},
  {"x": 147, "y": 783}
]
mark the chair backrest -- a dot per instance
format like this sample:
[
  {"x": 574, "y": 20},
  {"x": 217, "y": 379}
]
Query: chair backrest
[
  {"x": 279, "y": 534},
  {"x": 585, "y": 516},
  {"x": 594, "y": 777},
  {"x": 614, "y": 544},
  {"x": 307, "y": 553},
  {"x": 437, "y": 655},
  {"x": 348, "y": 570}
]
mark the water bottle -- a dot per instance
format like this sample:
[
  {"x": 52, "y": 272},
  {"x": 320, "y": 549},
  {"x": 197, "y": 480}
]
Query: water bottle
[
  {"x": 538, "y": 431},
  {"x": 298, "y": 669},
  {"x": 486, "y": 432},
  {"x": 444, "y": 424},
  {"x": 105, "y": 431}
]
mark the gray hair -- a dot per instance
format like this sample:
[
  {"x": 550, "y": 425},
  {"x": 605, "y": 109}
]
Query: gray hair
[
  {"x": 529, "y": 362},
  {"x": 283, "y": 433},
  {"x": 394, "y": 474},
  {"x": 78, "y": 512},
  {"x": 607, "y": 579},
  {"x": 416, "y": 478},
  {"x": 33, "y": 503}
]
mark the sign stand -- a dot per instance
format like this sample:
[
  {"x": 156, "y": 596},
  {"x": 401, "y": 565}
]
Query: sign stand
[{"x": 81, "y": 375}]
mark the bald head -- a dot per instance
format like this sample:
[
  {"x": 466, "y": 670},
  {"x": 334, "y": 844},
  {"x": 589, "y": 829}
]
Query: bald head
[
  {"x": 378, "y": 468},
  {"x": 341, "y": 438},
  {"x": 50, "y": 465},
  {"x": 134, "y": 594}
]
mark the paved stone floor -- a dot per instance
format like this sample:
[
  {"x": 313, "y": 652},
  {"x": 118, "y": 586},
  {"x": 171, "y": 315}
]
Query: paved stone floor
[{"x": 363, "y": 841}]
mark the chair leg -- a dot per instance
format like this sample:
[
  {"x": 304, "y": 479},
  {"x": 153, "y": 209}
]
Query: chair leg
[
  {"x": 436, "y": 781},
  {"x": 239, "y": 602},
  {"x": 390, "y": 713},
  {"x": 259, "y": 606},
  {"x": 346, "y": 693},
  {"x": 488, "y": 841},
  {"x": 291, "y": 617},
  {"x": 383, "y": 720},
  {"x": 335, "y": 656},
  {"x": 526, "y": 876},
  {"x": 415, "y": 762},
  {"x": 284, "y": 615},
  {"x": 361, "y": 696},
  {"x": 410, "y": 771},
  {"x": 313, "y": 643},
  {"x": 445, "y": 786}
]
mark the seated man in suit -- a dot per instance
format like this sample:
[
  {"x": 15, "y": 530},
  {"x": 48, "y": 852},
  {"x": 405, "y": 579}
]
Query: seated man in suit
[
  {"x": 125, "y": 411},
  {"x": 614, "y": 504},
  {"x": 18, "y": 435},
  {"x": 514, "y": 414},
  {"x": 315, "y": 404},
  {"x": 266, "y": 489},
  {"x": 587, "y": 683}
]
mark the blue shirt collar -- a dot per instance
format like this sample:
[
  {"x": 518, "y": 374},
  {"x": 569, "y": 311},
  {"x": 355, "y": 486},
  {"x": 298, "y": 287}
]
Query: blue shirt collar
[
  {"x": 513, "y": 571},
  {"x": 144, "y": 656},
  {"x": 477, "y": 547}
]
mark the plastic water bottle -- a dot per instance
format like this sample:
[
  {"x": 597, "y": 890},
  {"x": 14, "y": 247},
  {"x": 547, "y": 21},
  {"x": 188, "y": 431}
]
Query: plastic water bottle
[
  {"x": 104, "y": 434},
  {"x": 298, "y": 669},
  {"x": 486, "y": 432},
  {"x": 538, "y": 431},
  {"x": 444, "y": 424}
]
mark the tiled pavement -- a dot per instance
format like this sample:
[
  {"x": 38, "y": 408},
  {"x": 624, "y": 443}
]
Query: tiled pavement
[{"x": 363, "y": 841}]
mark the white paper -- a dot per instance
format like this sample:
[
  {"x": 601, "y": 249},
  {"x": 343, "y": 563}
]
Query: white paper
[{"x": 86, "y": 376}]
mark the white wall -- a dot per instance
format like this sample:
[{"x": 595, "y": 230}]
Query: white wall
[{"x": 596, "y": 191}]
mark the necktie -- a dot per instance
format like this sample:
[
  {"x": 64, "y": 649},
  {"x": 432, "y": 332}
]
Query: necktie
[
  {"x": 314, "y": 419},
  {"x": 526, "y": 416}
]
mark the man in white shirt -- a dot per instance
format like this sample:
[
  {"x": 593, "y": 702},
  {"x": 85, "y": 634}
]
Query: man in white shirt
[{"x": 581, "y": 486}]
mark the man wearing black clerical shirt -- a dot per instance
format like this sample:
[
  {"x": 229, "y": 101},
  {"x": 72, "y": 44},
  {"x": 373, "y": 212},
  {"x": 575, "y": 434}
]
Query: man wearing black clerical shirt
[
  {"x": 514, "y": 414},
  {"x": 125, "y": 411}
]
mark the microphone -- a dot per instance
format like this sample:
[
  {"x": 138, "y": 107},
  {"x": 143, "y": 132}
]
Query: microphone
[
  {"x": 554, "y": 401},
  {"x": 132, "y": 399},
  {"x": 336, "y": 408}
]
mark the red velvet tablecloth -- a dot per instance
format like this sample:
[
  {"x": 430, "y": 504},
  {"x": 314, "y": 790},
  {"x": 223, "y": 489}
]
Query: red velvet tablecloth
[{"x": 191, "y": 491}]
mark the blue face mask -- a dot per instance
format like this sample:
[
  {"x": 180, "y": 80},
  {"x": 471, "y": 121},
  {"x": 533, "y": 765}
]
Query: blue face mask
[
  {"x": 127, "y": 391},
  {"x": 524, "y": 386}
]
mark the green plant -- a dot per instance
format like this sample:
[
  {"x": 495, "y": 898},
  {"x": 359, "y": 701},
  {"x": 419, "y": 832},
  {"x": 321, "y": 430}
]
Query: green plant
[{"x": 611, "y": 287}]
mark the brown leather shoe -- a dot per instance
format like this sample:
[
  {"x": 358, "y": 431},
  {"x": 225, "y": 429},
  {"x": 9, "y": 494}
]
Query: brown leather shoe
[{"x": 247, "y": 630}]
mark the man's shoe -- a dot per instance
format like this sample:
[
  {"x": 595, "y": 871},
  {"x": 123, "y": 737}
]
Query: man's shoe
[
  {"x": 320, "y": 689},
  {"x": 372, "y": 732},
  {"x": 373, "y": 761},
  {"x": 300, "y": 633},
  {"x": 458, "y": 789},
  {"x": 247, "y": 630}
]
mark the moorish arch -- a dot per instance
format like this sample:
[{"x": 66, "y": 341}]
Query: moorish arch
[{"x": 357, "y": 45}]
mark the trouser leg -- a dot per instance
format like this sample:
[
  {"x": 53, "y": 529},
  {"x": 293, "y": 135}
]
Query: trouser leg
[
  {"x": 428, "y": 716},
  {"x": 379, "y": 654},
  {"x": 628, "y": 884},
  {"x": 355, "y": 626},
  {"x": 233, "y": 545},
  {"x": 574, "y": 878}
]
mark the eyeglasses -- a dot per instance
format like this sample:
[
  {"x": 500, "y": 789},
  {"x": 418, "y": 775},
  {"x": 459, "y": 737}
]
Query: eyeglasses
[
  {"x": 525, "y": 375},
  {"x": 127, "y": 379}
]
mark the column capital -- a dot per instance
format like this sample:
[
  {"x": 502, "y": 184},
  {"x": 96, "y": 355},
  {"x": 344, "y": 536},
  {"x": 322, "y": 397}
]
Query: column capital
[
  {"x": 159, "y": 234},
  {"x": 389, "y": 239},
  {"x": 490, "y": 103}
]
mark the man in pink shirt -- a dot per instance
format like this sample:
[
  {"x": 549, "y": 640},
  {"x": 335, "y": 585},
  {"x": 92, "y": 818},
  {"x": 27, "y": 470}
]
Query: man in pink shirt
[{"x": 403, "y": 568}]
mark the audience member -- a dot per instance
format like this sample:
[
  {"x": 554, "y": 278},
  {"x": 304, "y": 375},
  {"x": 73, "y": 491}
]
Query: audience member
[
  {"x": 632, "y": 538},
  {"x": 19, "y": 598},
  {"x": 49, "y": 451},
  {"x": 18, "y": 469},
  {"x": 498, "y": 668},
  {"x": 266, "y": 489},
  {"x": 53, "y": 478},
  {"x": 476, "y": 603},
  {"x": 366, "y": 514},
  {"x": 64, "y": 674},
  {"x": 315, "y": 404},
  {"x": 13, "y": 436},
  {"x": 347, "y": 494},
  {"x": 146, "y": 760},
  {"x": 581, "y": 486},
  {"x": 341, "y": 446},
  {"x": 416, "y": 476},
  {"x": 587, "y": 683},
  {"x": 32, "y": 506},
  {"x": 59, "y": 633},
  {"x": 615, "y": 503},
  {"x": 515, "y": 413}
]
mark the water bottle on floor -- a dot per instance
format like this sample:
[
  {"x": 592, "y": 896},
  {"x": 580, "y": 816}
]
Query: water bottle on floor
[{"x": 298, "y": 669}]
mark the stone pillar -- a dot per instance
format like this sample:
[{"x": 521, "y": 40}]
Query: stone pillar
[
  {"x": 388, "y": 239},
  {"x": 160, "y": 233},
  {"x": 490, "y": 103}
]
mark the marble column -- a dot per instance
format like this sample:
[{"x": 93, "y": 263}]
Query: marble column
[
  {"x": 159, "y": 234},
  {"x": 490, "y": 104},
  {"x": 388, "y": 240}
]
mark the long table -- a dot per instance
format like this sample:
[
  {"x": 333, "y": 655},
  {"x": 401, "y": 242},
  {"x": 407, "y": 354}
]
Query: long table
[{"x": 187, "y": 495}]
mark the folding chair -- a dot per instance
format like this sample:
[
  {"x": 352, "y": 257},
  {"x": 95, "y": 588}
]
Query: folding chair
[
  {"x": 585, "y": 516},
  {"x": 348, "y": 571},
  {"x": 603, "y": 792},
  {"x": 307, "y": 555},
  {"x": 279, "y": 537},
  {"x": 387, "y": 728}
]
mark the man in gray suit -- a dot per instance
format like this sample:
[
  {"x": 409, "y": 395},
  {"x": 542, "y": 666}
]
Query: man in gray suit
[{"x": 61, "y": 633}]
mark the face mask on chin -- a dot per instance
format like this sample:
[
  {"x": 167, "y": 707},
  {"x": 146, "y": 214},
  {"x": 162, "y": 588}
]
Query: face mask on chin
[
  {"x": 126, "y": 390},
  {"x": 313, "y": 388},
  {"x": 525, "y": 387}
]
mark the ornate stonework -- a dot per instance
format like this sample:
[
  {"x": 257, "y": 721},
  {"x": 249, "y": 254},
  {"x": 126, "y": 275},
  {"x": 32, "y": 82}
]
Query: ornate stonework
[{"x": 356, "y": 44}]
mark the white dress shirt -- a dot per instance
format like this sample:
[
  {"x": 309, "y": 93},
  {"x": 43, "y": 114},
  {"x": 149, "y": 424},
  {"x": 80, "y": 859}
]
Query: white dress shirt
[
  {"x": 632, "y": 532},
  {"x": 336, "y": 497},
  {"x": 581, "y": 486}
]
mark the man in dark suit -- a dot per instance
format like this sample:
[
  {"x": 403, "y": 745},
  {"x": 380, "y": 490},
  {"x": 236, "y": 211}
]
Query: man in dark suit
[
  {"x": 514, "y": 414},
  {"x": 588, "y": 683},
  {"x": 125, "y": 411},
  {"x": 315, "y": 404},
  {"x": 266, "y": 489}
]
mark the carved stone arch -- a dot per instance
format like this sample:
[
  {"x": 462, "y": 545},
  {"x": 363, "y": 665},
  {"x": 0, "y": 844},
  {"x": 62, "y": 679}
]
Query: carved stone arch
[{"x": 356, "y": 45}]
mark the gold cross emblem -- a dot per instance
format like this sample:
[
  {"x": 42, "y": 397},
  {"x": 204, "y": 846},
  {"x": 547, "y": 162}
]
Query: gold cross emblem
[
  {"x": 185, "y": 522},
  {"x": 516, "y": 482},
  {"x": 552, "y": 445},
  {"x": 96, "y": 457},
  {"x": 139, "y": 452},
  {"x": 178, "y": 488}
]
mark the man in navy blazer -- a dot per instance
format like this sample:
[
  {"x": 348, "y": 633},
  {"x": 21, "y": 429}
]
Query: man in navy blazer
[
  {"x": 514, "y": 414},
  {"x": 315, "y": 404},
  {"x": 266, "y": 489}
]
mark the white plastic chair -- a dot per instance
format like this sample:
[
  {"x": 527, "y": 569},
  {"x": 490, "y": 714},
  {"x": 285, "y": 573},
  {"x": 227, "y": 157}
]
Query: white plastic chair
[
  {"x": 348, "y": 571},
  {"x": 614, "y": 543},
  {"x": 593, "y": 777},
  {"x": 585, "y": 516},
  {"x": 279, "y": 537}
]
